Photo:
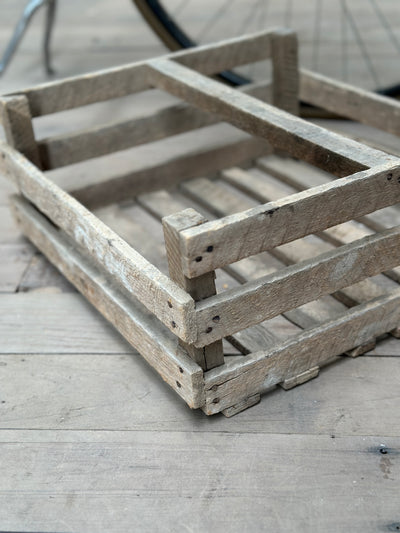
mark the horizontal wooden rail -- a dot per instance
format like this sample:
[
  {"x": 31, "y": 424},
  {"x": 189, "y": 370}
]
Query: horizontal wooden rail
[
  {"x": 352, "y": 102},
  {"x": 139, "y": 327},
  {"x": 284, "y": 131},
  {"x": 79, "y": 146},
  {"x": 215, "y": 244},
  {"x": 127, "y": 79},
  {"x": 314, "y": 346},
  {"x": 254, "y": 302},
  {"x": 167, "y": 171},
  {"x": 131, "y": 271}
]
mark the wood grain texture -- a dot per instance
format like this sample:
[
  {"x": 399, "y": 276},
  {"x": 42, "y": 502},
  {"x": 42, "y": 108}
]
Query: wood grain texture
[
  {"x": 130, "y": 270},
  {"x": 170, "y": 170},
  {"x": 162, "y": 204},
  {"x": 302, "y": 176},
  {"x": 101, "y": 476},
  {"x": 281, "y": 221},
  {"x": 199, "y": 288},
  {"x": 311, "y": 348},
  {"x": 366, "y": 107},
  {"x": 66, "y": 149},
  {"x": 283, "y": 130},
  {"x": 269, "y": 296},
  {"x": 285, "y": 71},
  {"x": 15, "y": 117},
  {"x": 122, "y": 80},
  {"x": 138, "y": 326},
  {"x": 222, "y": 201},
  {"x": 265, "y": 188}
]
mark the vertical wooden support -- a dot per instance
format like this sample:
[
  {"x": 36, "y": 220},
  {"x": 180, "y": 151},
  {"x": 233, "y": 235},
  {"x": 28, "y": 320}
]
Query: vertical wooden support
[
  {"x": 199, "y": 288},
  {"x": 285, "y": 87},
  {"x": 16, "y": 119}
]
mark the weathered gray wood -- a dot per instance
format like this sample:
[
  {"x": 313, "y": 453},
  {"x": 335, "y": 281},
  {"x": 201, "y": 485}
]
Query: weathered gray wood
[
  {"x": 352, "y": 102},
  {"x": 199, "y": 288},
  {"x": 127, "y": 79},
  {"x": 161, "y": 204},
  {"x": 71, "y": 148},
  {"x": 264, "y": 335},
  {"x": 310, "y": 246},
  {"x": 69, "y": 481},
  {"x": 269, "y": 296},
  {"x": 129, "y": 269},
  {"x": 302, "y": 176},
  {"x": 241, "y": 406},
  {"x": 50, "y": 322},
  {"x": 40, "y": 274},
  {"x": 236, "y": 381},
  {"x": 222, "y": 202},
  {"x": 284, "y": 131},
  {"x": 216, "y": 57},
  {"x": 285, "y": 70},
  {"x": 171, "y": 170},
  {"x": 15, "y": 117},
  {"x": 288, "y": 219},
  {"x": 81, "y": 90},
  {"x": 14, "y": 260},
  {"x": 131, "y": 319},
  {"x": 301, "y": 378}
]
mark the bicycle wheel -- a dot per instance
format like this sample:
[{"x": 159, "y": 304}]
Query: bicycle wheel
[{"x": 357, "y": 41}]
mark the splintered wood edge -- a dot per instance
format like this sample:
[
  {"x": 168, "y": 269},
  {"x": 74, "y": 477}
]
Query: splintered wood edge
[
  {"x": 131, "y": 271},
  {"x": 131, "y": 319},
  {"x": 236, "y": 381}
]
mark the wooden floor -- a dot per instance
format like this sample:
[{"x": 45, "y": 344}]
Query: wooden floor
[{"x": 92, "y": 440}]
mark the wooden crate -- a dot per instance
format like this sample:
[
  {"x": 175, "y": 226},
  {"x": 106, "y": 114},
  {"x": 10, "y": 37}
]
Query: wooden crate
[{"x": 299, "y": 282}]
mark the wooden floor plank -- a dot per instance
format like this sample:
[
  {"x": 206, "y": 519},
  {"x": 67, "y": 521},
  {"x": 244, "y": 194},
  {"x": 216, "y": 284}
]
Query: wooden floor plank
[
  {"x": 48, "y": 322},
  {"x": 144, "y": 481},
  {"x": 120, "y": 391},
  {"x": 14, "y": 261}
]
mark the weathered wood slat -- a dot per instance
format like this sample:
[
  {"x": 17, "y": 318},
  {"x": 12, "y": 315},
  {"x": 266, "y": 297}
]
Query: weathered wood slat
[
  {"x": 302, "y": 176},
  {"x": 79, "y": 146},
  {"x": 171, "y": 170},
  {"x": 139, "y": 327},
  {"x": 283, "y": 130},
  {"x": 352, "y": 102},
  {"x": 310, "y": 246},
  {"x": 131, "y": 271},
  {"x": 199, "y": 288},
  {"x": 162, "y": 204},
  {"x": 267, "y": 226},
  {"x": 285, "y": 71},
  {"x": 16, "y": 119},
  {"x": 226, "y": 386},
  {"x": 296, "y": 285},
  {"x": 223, "y": 202},
  {"x": 119, "y": 81}
]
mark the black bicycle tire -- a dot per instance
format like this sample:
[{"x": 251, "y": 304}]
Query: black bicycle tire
[{"x": 173, "y": 36}]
